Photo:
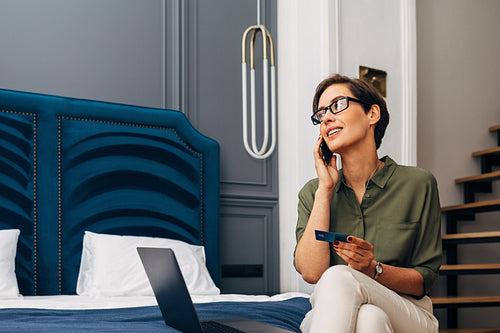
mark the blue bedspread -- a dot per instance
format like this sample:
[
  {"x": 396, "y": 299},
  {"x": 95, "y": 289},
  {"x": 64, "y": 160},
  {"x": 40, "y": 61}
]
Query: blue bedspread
[{"x": 287, "y": 314}]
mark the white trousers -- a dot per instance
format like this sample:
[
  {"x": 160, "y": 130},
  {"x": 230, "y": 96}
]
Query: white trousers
[{"x": 348, "y": 301}]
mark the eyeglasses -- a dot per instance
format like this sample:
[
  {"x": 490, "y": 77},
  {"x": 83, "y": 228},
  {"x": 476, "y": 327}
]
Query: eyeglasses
[{"x": 336, "y": 107}]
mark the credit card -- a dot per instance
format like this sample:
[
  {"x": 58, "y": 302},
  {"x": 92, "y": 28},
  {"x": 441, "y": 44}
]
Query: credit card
[{"x": 331, "y": 237}]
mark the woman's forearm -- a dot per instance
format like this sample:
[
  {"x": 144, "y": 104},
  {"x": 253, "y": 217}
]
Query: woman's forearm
[
  {"x": 402, "y": 280},
  {"x": 312, "y": 257}
]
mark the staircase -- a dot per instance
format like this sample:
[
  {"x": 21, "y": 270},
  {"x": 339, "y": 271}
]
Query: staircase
[{"x": 483, "y": 183}]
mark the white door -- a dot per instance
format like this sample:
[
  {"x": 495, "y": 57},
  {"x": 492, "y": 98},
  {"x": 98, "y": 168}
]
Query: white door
[{"x": 320, "y": 37}]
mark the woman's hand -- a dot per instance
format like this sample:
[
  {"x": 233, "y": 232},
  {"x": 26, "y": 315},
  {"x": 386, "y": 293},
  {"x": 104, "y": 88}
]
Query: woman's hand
[
  {"x": 358, "y": 253},
  {"x": 312, "y": 258},
  {"x": 328, "y": 174}
]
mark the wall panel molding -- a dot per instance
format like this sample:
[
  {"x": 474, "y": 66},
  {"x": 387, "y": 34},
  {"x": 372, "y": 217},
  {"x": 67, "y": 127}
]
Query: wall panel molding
[
  {"x": 243, "y": 221},
  {"x": 213, "y": 42},
  {"x": 203, "y": 80},
  {"x": 262, "y": 188},
  {"x": 409, "y": 79},
  {"x": 176, "y": 53}
]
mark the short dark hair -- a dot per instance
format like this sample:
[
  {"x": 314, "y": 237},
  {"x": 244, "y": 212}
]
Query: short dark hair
[{"x": 363, "y": 91}]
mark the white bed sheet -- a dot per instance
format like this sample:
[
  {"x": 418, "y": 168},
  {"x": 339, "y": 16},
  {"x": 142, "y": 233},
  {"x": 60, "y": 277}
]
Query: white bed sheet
[{"x": 76, "y": 302}]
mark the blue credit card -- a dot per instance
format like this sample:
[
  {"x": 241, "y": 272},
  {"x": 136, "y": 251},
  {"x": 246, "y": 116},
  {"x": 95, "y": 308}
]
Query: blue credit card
[{"x": 331, "y": 237}]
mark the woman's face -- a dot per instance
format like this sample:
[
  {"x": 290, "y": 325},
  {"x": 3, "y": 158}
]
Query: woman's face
[{"x": 349, "y": 128}]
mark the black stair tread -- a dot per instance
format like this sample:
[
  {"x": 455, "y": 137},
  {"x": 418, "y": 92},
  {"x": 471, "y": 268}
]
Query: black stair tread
[
  {"x": 485, "y": 177},
  {"x": 473, "y": 207},
  {"x": 465, "y": 301},
  {"x": 471, "y": 237},
  {"x": 471, "y": 330},
  {"x": 494, "y": 128},
  {"x": 470, "y": 269},
  {"x": 490, "y": 151}
]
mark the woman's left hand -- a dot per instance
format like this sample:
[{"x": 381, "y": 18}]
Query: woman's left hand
[{"x": 358, "y": 253}]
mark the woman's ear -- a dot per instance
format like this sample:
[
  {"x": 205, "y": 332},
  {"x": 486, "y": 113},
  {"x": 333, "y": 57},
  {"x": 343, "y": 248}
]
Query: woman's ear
[{"x": 374, "y": 114}]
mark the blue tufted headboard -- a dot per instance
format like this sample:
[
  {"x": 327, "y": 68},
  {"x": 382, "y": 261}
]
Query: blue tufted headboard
[{"x": 70, "y": 165}]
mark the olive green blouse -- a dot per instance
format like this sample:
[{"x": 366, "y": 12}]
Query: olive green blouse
[{"x": 399, "y": 215}]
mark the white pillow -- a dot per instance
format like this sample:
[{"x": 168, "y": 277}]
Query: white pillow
[
  {"x": 111, "y": 266},
  {"x": 8, "y": 249}
]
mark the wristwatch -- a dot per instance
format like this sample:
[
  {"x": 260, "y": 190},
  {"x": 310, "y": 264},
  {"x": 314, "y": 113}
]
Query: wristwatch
[{"x": 378, "y": 270}]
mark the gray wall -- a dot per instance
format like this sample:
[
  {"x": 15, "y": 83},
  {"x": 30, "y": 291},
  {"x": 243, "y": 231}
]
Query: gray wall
[
  {"x": 458, "y": 52},
  {"x": 177, "y": 54},
  {"x": 107, "y": 50}
]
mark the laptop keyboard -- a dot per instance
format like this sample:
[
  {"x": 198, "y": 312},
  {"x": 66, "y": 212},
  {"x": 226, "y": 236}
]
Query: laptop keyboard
[{"x": 215, "y": 327}]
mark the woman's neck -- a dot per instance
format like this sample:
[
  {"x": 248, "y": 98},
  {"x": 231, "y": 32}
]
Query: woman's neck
[{"x": 358, "y": 168}]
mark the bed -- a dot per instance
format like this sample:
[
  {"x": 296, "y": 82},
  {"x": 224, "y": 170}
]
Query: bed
[{"x": 82, "y": 184}]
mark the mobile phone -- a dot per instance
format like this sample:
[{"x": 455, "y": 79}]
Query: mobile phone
[
  {"x": 326, "y": 153},
  {"x": 331, "y": 237}
]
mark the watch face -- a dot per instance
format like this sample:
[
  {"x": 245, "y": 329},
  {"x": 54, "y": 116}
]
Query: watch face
[{"x": 379, "y": 268}]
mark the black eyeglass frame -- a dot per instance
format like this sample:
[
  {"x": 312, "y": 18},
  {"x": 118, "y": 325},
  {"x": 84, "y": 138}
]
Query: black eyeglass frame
[{"x": 314, "y": 119}]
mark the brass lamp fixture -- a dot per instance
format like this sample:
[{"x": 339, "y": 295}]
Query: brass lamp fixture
[{"x": 268, "y": 67}]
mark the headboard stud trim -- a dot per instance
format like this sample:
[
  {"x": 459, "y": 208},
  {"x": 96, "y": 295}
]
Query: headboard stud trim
[
  {"x": 35, "y": 216},
  {"x": 201, "y": 203},
  {"x": 59, "y": 205}
]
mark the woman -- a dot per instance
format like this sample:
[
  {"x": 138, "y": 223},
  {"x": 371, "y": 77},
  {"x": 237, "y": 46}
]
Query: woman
[{"x": 378, "y": 280}]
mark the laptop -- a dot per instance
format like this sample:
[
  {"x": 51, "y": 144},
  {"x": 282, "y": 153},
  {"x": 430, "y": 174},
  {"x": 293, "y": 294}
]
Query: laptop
[{"x": 175, "y": 303}]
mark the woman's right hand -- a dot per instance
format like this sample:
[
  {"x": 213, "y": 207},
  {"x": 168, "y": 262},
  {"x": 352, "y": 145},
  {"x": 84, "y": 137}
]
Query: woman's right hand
[
  {"x": 328, "y": 174},
  {"x": 312, "y": 258}
]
